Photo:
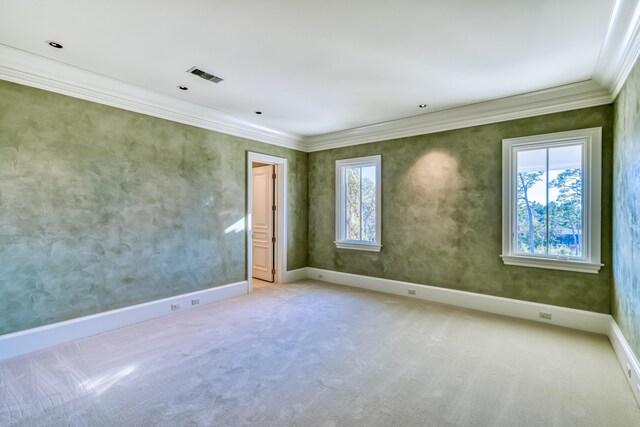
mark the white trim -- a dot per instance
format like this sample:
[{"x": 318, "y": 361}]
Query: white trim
[
  {"x": 23, "y": 342},
  {"x": 359, "y": 246},
  {"x": 341, "y": 241},
  {"x": 591, "y": 141},
  {"x": 626, "y": 357},
  {"x": 621, "y": 47},
  {"x": 554, "y": 100},
  {"x": 552, "y": 264},
  {"x": 295, "y": 275},
  {"x": 33, "y": 70},
  {"x": 560, "y": 316},
  {"x": 281, "y": 215}
]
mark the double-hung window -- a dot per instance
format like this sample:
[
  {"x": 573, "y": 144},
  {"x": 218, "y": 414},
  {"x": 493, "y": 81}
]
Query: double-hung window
[
  {"x": 551, "y": 200},
  {"x": 358, "y": 201}
]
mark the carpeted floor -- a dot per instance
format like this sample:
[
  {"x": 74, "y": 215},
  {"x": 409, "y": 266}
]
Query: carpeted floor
[{"x": 310, "y": 354}]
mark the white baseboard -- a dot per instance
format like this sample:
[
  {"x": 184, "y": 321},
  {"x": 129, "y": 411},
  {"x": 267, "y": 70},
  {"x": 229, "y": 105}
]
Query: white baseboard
[
  {"x": 626, "y": 357},
  {"x": 560, "y": 316},
  {"x": 294, "y": 275},
  {"x": 23, "y": 342}
]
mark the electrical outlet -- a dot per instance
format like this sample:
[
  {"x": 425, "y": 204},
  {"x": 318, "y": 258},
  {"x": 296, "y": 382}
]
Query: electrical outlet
[
  {"x": 412, "y": 291},
  {"x": 195, "y": 301},
  {"x": 544, "y": 315},
  {"x": 175, "y": 306},
  {"x": 629, "y": 370}
]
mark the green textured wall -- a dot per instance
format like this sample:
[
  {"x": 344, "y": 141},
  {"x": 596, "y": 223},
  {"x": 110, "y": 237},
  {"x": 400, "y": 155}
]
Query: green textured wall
[
  {"x": 441, "y": 219},
  {"x": 103, "y": 208},
  {"x": 625, "y": 301}
]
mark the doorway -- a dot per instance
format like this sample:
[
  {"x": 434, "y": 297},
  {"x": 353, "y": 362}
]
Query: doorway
[
  {"x": 266, "y": 218},
  {"x": 263, "y": 221}
]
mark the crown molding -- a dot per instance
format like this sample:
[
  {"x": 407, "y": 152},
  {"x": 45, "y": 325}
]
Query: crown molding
[
  {"x": 563, "y": 98},
  {"x": 621, "y": 46},
  {"x": 33, "y": 70}
]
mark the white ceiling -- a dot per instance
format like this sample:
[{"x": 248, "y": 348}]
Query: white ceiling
[{"x": 314, "y": 67}]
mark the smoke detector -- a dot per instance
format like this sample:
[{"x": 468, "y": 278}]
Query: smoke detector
[{"x": 204, "y": 75}]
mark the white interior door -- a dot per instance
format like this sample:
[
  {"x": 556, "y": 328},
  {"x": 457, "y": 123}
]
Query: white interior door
[{"x": 262, "y": 222}]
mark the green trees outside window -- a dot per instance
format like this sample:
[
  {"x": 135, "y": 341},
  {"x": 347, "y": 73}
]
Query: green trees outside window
[
  {"x": 358, "y": 207},
  {"x": 361, "y": 203},
  {"x": 549, "y": 201}
]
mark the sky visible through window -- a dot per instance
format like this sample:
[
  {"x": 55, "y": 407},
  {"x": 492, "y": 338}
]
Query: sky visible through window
[{"x": 537, "y": 193}]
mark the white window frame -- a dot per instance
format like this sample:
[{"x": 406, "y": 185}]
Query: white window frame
[
  {"x": 341, "y": 205},
  {"x": 591, "y": 140}
]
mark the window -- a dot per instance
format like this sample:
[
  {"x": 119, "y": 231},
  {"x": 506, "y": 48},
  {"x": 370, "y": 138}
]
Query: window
[
  {"x": 551, "y": 201},
  {"x": 358, "y": 199}
]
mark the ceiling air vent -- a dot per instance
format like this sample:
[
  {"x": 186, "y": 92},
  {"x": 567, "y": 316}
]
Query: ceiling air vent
[{"x": 204, "y": 75}]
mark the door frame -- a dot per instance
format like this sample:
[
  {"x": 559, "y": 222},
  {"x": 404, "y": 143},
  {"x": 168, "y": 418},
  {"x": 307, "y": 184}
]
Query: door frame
[{"x": 281, "y": 215}]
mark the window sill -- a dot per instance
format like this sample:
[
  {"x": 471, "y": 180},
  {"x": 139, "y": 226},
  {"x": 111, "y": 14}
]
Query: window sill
[
  {"x": 552, "y": 264},
  {"x": 359, "y": 246}
]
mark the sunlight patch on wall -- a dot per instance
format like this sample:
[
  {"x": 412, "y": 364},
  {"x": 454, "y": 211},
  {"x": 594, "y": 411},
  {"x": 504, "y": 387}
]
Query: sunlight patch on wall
[
  {"x": 236, "y": 227},
  {"x": 434, "y": 174},
  {"x": 431, "y": 194}
]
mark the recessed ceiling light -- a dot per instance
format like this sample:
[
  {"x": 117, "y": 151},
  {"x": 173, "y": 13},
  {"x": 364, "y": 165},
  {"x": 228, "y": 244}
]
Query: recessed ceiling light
[
  {"x": 54, "y": 44},
  {"x": 182, "y": 87},
  {"x": 423, "y": 106},
  {"x": 258, "y": 112}
]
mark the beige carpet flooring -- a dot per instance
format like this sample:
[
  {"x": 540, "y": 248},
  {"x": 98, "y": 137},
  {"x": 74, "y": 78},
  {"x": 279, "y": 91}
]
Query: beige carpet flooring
[{"x": 310, "y": 354}]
